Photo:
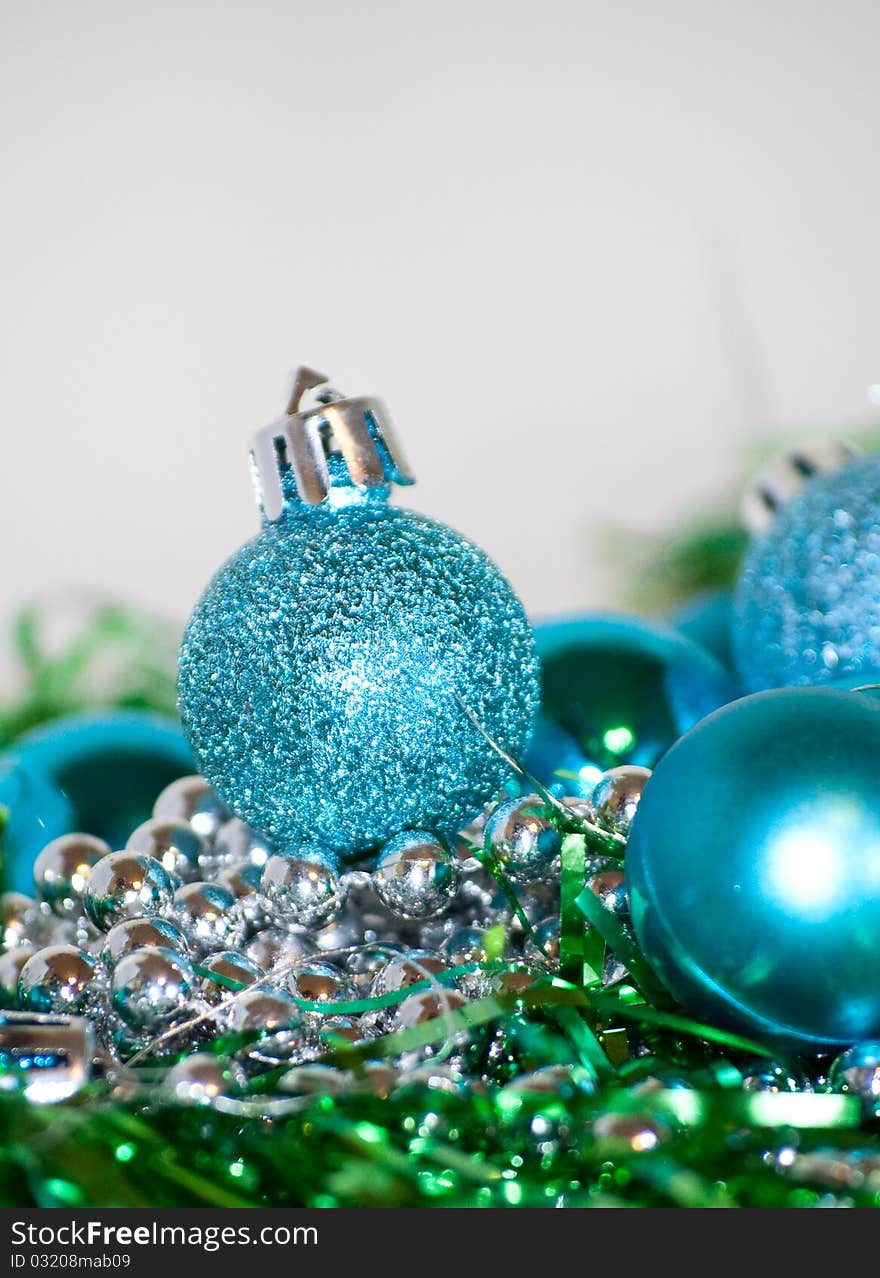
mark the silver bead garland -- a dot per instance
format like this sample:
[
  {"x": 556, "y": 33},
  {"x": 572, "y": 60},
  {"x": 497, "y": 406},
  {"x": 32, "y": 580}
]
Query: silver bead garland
[{"x": 198, "y": 928}]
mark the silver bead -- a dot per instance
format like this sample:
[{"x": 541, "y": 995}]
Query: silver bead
[
  {"x": 203, "y": 1079},
  {"x": 302, "y": 890},
  {"x": 415, "y": 875},
  {"x": 231, "y": 966},
  {"x": 124, "y": 885},
  {"x": 11, "y": 963},
  {"x": 856, "y": 1072},
  {"x": 514, "y": 980},
  {"x": 173, "y": 843},
  {"x": 437, "y": 1077},
  {"x": 465, "y": 945},
  {"x": 366, "y": 961},
  {"x": 420, "y": 1008},
  {"x": 237, "y": 844},
  {"x": 242, "y": 879},
  {"x": 616, "y": 797},
  {"x": 49, "y": 1057},
  {"x": 208, "y": 916},
  {"x": 579, "y": 805},
  {"x": 427, "y": 1005},
  {"x": 345, "y": 930},
  {"x": 318, "y": 982},
  {"x": 610, "y": 887},
  {"x": 146, "y": 933},
  {"x": 471, "y": 836},
  {"x": 376, "y": 1077},
  {"x": 62, "y": 869},
  {"x": 263, "y": 1009},
  {"x": 150, "y": 988},
  {"x": 761, "y": 1075},
  {"x": 407, "y": 969},
  {"x": 627, "y": 1133},
  {"x": 313, "y": 1080},
  {"x": 545, "y": 938},
  {"x": 21, "y": 922},
  {"x": 59, "y": 978},
  {"x": 523, "y": 839},
  {"x": 552, "y": 1080},
  {"x": 344, "y": 1027},
  {"x": 275, "y": 947},
  {"x": 192, "y": 800},
  {"x": 536, "y": 900}
]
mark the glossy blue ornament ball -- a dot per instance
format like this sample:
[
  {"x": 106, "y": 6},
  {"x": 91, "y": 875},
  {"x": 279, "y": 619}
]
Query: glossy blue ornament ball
[
  {"x": 616, "y": 689},
  {"x": 705, "y": 619},
  {"x": 331, "y": 672},
  {"x": 807, "y": 602},
  {"x": 753, "y": 868}
]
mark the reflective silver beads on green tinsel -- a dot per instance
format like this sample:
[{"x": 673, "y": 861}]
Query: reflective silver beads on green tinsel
[{"x": 189, "y": 932}]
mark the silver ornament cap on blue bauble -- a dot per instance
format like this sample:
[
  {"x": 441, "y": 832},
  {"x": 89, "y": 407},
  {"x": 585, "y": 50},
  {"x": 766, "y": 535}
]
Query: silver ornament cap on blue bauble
[{"x": 343, "y": 672}]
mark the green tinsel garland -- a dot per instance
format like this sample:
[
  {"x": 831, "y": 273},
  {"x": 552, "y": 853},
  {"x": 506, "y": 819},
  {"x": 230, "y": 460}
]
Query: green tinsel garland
[{"x": 696, "y": 1139}]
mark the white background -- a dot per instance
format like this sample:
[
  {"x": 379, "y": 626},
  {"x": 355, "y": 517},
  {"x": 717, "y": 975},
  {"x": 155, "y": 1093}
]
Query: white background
[{"x": 589, "y": 253}]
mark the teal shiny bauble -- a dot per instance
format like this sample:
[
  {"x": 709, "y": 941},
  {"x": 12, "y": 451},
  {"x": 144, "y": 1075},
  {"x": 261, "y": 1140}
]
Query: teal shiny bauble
[
  {"x": 706, "y": 619},
  {"x": 753, "y": 868},
  {"x": 614, "y": 690}
]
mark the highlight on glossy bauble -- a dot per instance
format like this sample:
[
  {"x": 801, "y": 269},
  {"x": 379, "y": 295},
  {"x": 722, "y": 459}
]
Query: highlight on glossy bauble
[{"x": 753, "y": 868}]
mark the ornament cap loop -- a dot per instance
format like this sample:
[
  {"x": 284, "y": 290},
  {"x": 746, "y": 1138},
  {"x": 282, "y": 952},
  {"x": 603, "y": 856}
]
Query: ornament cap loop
[
  {"x": 777, "y": 483},
  {"x": 332, "y": 443}
]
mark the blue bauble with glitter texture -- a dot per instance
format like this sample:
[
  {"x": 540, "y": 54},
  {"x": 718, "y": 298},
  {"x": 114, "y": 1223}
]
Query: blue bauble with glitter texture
[
  {"x": 332, "y": 671},
  {"x": 753, "y": 868},
  {"x": 807, "y": 603}
]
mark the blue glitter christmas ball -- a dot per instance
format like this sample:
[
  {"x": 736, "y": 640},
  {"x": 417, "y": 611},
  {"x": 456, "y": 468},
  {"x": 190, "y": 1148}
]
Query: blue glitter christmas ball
[
  {"x": 807, "y": 603},
  {"x": 331, "y": 672},
  {"x": 753, "y": 868}
]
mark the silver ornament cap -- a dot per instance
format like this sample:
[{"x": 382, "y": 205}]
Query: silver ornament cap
[
  {"x": 326, "y": 441},
  {"x": 782, "y": 479}
]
